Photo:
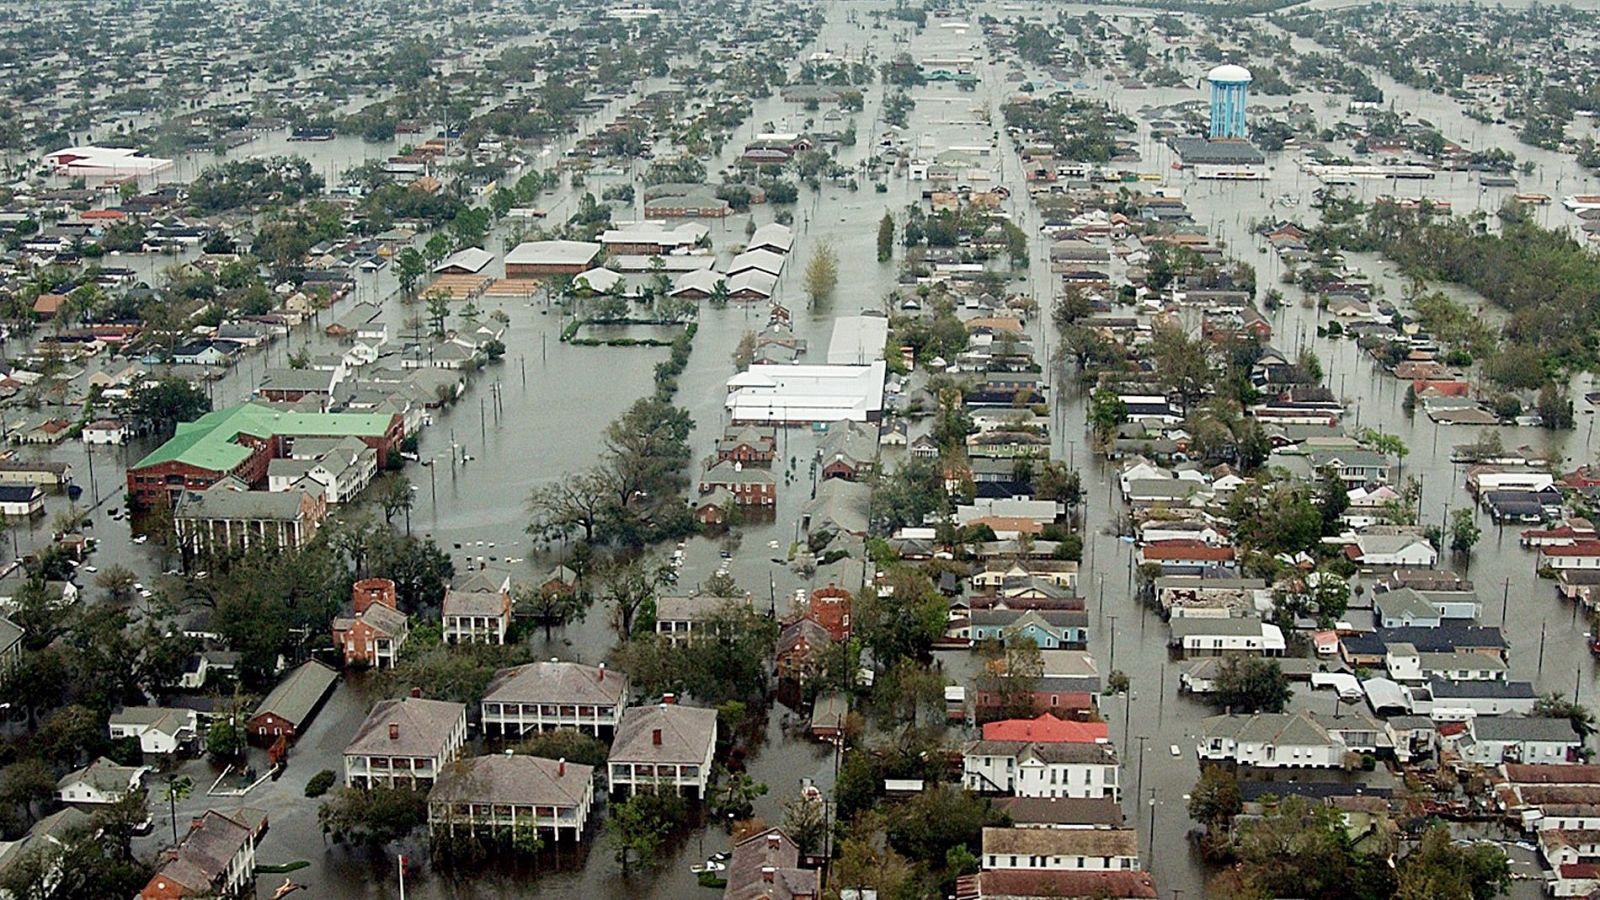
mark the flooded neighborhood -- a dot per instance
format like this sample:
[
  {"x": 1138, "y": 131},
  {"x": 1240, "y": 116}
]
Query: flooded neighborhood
[{"x": 979, "y": 450}]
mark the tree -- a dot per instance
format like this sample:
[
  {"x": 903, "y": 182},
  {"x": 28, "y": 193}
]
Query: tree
[
  {"x": 374, "y": 816},
  {"x": 886, "y": 237},
  {"x": 1183, "y": 364},
  {"x": 944, "y": 816},
  {"x": 1251, "y": 684},
  {"x": 571, "y": 506},
  {"x": 550, "y": 605},
  {"x": 1301, "y": 849},
  {"x": 1387, "y": 444},
  {"x": 1554, "y": 407},
  {"x": 25, "y": 786},
  {"x": 1215, "y": 799},
  {"x": 565, "y": 743},
  {"x": 165, "y": 403},
  {"x": 735, "y": 795},
  {"x": 629, "y": 585},
  {"x": 1106, "y": 412},
  {"x": 117, "y": 580},
  {"x": 638, "y": 825},
  {"x": 409, "y": 268},
  {"x": 902, "y": 622},
  {"x": 225, "y": 738},
  {"x": 395, "y": 495},
  {"x": 1440, "y": 867},
  {"x": 318, "y": 784},
  {"x": 721, "y": 584},
  {"x": 822, "y": 274},
  {"x": 1464, "y": 532},
  {"x": 1554, "y": 706},
  {"x": 437, "y": 248},
  {"x": 804, "y": 820},
  {"x": 438, "y": 310},
  {"x": 1333, "y": 498}
]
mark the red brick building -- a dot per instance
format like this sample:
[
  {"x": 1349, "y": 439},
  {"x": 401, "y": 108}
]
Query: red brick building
[{"x": 373, "y": 634}]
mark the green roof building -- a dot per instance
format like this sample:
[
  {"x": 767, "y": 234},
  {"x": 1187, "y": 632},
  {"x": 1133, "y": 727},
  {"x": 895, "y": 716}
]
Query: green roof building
[{"x": 241, "y": 441}]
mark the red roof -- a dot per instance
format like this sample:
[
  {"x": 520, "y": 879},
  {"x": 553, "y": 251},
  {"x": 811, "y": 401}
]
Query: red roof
[
  {"x": 1449, "y": 729},
  {"x": 1580, "y": 870},
  {"x": 1066, "y": 883},
  {"x": 1045, "y": 729},
  {"x": 1529, "y": 773},
  {"x": 1581, "y": 548},
  {"x": 1186, "y": 548},
  {"x": 103, "y": 214}
]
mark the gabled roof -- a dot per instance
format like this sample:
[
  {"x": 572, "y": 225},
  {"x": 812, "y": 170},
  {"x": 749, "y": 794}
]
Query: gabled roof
[
  {"x": 209, "y": 441},
  {"x": 293, "y": 698}
]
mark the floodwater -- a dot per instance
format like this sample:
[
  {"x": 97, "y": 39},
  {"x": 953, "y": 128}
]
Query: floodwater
[{"x": 555, "y": 400}]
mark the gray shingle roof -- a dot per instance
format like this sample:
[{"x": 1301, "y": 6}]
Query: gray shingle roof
[
  {"x": 686, "y": 734},
  {"x": 293, "y": 698}
]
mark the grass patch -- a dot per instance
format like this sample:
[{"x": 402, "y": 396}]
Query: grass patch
[{"x": 283, "y": 868}]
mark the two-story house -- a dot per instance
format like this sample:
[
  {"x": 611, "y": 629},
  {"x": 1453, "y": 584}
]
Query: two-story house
[
  {"x": 477, "y": 610},
  {"x": 545, "y": 696},
  {"x": 217, "y": 858},
  {"x": 1041, "y": 769},
  {"x": 486, "y": 796},
  {"x": 405, "y": 742},
  {"x": 667, "y": 745}
]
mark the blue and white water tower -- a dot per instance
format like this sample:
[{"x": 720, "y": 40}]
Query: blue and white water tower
[{"x": 1230, "y": 88}]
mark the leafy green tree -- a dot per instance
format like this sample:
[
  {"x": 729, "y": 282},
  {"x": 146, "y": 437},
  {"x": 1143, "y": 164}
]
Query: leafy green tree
[
  {"x": 318, "y": 784},
  {"x": 565, "y": 743},
  {"x": 1251, "y": 684},
  {"x": 1215, "y": 799},
  {"x": 821, "y": 275},
  {"x": 1106, "y": 412},
  {"x": 886, "y": 237},
  {"x": 1440, "y": 867},
  {"x": 409, "y": 267},
  {"x": 941, "y": 818},
  {"x": 550, "y": 605},
  {"x": 735, "y": 795},
  {"x": 1554, "y": 706},
  {"x": 1464, "y": 531},
  {"x": 165, "y": 403},
  {"x": 372, "y": 817},
  {"x": 225, "y": 739},
  {"x": 806, "y": 823},
  {"x": 902, "y": 622},
  {"x": 637, "y": 826}
]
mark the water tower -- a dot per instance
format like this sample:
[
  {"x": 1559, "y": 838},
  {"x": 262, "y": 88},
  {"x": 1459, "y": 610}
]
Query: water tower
[{"x": 1229, "y": 91}]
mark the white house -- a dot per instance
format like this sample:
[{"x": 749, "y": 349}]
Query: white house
[
  {"x": 1497, "y": 739},
  {"x": 1211, "y": 636},
  {"x": 105, "y": 432},
  {"x": 548, "y": 695},
  {"x": 1403, "y": 662},
  {"x": 160, "y": 730},
  {"x": 1289, "y": 740},
  {"x": 1037, "y": 769},
  {"x": 100, "y": 783},
  {"x": 1057, "y": 849},
  {"x": 1391, "y": 551}
]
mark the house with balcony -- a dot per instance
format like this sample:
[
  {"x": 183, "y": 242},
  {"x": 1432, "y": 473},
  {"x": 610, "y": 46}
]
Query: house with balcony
[
  {"x": 544, "y": 696},
  {"x": 405, "y": 742},
  {"x": 667, "y": 745},
  {"x": 477, "y": 610},
  {"x": 488, "y": 796},
  {"x": 1041, "y": 769}
]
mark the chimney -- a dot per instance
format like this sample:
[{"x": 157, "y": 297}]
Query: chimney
[
  {"x": 655, "y": 736},
  {"x": 774, "y": 841},
  {"x": 394, "y": 731},
  {"x": 669, "y": 699},
  {"x": 768, "y": 873},
  {"x": 416, "y": 693},
  {"x": 561, "y": 767},
  {"x": 602, "y": 672}
]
